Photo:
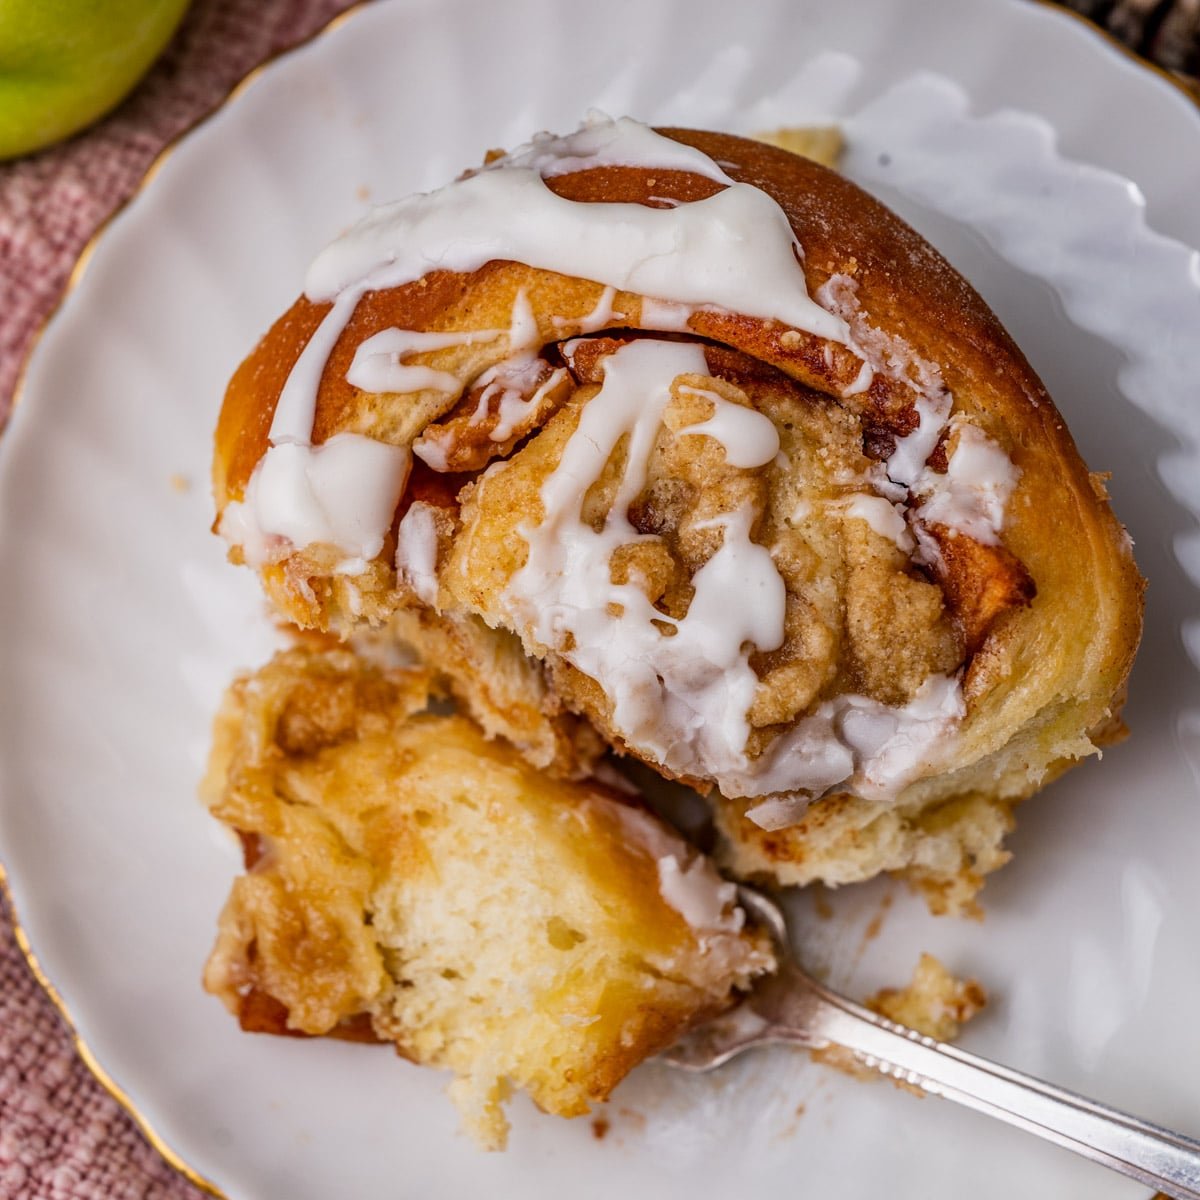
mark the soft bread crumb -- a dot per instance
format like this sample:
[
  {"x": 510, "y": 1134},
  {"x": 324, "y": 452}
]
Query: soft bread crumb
[
  {"x": 944, "y": 851},
  {"x": 479, "y": 914},
  {"x": 934, "y": 1003}
]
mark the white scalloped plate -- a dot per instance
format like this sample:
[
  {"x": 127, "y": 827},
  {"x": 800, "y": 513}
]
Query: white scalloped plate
[{"x": 122, "y": 623}]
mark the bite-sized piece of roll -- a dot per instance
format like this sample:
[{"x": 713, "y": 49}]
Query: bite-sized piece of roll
[
  {"x": 410, "y": 881},
  {"x": 737, "y": 455}
]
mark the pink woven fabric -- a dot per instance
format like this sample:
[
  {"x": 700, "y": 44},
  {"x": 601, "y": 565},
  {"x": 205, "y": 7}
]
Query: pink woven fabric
[{"x": 61, "y": 1136}]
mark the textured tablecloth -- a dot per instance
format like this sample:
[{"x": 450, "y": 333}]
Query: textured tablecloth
[{"x": 61, "y": 1136}]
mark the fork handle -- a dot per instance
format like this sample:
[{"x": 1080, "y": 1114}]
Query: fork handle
[{"x": 1145, "y": 1152}]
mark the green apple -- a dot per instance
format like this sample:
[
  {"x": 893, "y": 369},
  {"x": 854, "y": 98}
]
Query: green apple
[{"x": 65, "y": 63}]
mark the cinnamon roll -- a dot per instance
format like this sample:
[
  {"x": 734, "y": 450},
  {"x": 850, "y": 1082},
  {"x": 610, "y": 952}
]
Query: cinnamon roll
[{"x": 752, "y": 477}]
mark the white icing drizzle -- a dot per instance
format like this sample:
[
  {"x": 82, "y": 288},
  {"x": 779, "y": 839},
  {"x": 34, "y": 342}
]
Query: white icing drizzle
[
  {"x": 733, "y": 250},
  {"x": 687, "y": 881},
  {"x": 343, "y": 492},
  {"x": 892, "y": 356},
  {"x": 970, "y": 498},
  {"x": 416, "y": 551},
  {"x": 513, "y": 377},
  {"x": 855, "y": 744},
  {"x": 379, "y": 363},
  {"x": 749, "y": 437},
  {"x": 876, "y": 476},
  {"x": 665, "y": 316},
  {"x": 522, "y": 324},
  {"x": 603, "y": 142},
  {"x": 884, "y": 517},
  {"x": 295, "y": 410},
  {"x": 862, "y": 380},
  {"x": 907, "y": 461},
  {"x": 513, "y": 406},
  {"x": 683, "y": 699},
  {"x": 299, "y": 495},
  {"x": 239, "y": 526},
  {"x": 510, "y": 380},
  {"x": 699, "y": 895},
  {"x": 601, "y": 315},
  {"x": 433, "y": 450}
]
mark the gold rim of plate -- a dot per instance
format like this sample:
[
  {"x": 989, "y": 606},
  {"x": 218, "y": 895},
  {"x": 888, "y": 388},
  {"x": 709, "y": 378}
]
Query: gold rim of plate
[{"x": 170, "y": 1156}]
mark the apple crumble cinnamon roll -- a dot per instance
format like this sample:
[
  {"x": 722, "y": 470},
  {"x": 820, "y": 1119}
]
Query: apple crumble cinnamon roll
[{"x": 752, "y": 477}]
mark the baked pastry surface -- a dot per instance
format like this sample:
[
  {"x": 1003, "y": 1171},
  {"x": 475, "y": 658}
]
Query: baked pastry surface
[
  {"x": 410, "y": 881},
  {"x": 957, "y": 612}
]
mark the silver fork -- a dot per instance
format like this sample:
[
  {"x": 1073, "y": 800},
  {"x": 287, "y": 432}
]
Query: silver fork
[{"x": 792, "y": 1007}]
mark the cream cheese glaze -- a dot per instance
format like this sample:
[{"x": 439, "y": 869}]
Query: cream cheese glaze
[
  {"x": 699, "y": 895},
  {"x": 343, "y": 492},
  {"x": 687, "y": 881},
  {"x": 379, "y": 363},
  {"x": 749, "y": 439},
  {"x": 601, "y": 316},
  {"x": 883, "y": 516},
  {"x": 510, "y": 379},
  {"x": 970, "y": 496},
  {"x": 683, "y": 698},
  {"x": 416, "y": 551},
  {"x": 602, "y": 141}
]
